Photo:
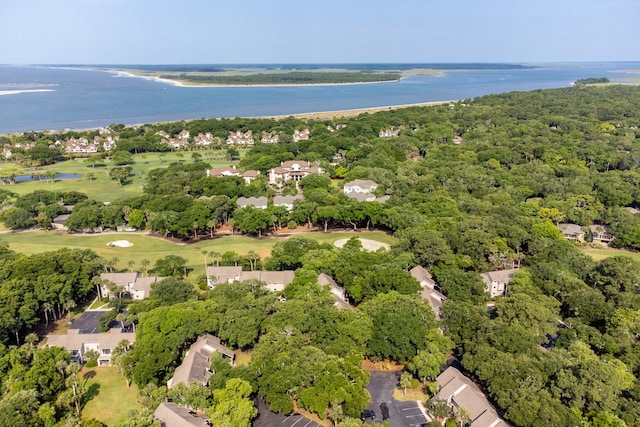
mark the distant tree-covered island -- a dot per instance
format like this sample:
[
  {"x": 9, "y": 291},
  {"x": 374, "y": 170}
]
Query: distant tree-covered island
[
  {"x": 592, "y": 81},
  {"x": 287, "y": 78}
]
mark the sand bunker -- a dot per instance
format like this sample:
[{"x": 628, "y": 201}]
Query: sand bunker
[
  {"x": 120, "y": 244},
  {"x": 367, "y": 245}
]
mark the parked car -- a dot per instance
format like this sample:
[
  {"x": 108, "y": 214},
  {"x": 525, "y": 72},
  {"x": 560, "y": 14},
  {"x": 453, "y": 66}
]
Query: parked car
[{"x": 368, "y": 413}]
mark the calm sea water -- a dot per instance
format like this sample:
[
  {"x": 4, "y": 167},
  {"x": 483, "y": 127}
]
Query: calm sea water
[{"x": 83, "y": 99}]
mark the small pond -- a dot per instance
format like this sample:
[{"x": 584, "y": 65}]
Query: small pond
[{"x": 42, "y": 177}]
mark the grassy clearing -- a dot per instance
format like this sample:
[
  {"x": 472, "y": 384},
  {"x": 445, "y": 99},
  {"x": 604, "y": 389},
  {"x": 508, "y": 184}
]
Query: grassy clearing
[
  {"x": 101, "y": 187},
  {"x": 110, "y": 398},
  {"x": 153, "y": 248},
  {"x": 600, "y": 254},
  {"x": 242, "y": 358},
  {"x": 412, "y": 395}
]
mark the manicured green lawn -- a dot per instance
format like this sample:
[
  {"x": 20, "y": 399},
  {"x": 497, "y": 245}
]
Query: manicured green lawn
[
  {"x": 101, "y": 187},
  {"x": 153, "y": 248},
  {"x": 110, "y": 398},
  {"x": 599, "y": 254}
]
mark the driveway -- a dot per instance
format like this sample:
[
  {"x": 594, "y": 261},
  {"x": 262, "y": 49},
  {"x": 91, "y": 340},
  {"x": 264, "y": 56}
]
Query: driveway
[{"x": 401, "y": 414}]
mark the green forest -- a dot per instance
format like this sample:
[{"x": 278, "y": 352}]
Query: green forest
[
  {"x": 475, "y": 186},
  {"x": 290, "y": 77}
]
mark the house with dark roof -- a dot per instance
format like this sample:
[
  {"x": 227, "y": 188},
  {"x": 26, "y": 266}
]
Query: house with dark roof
[
  {"x": 173, "y": 415},
  {"x": 196, "y": 365},
  {"x": 497, "y": 282},
  {"x": 458, "y": 391}
]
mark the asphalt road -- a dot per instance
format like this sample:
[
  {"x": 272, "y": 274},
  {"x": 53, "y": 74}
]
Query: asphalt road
[{"x": 401, "y": 414}]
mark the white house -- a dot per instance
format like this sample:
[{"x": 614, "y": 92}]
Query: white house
[
  {"x": 77, "y": 344},
  {"x": 497, "y": 282}
]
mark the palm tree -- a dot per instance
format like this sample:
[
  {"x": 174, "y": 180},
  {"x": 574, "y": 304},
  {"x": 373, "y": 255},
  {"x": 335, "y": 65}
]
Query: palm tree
[
  {"x": 114, "y": 262},
  {"x": 215, "y": 256},
  {"x": 121, "y": 317},
  {"x": 131, "y": 318},
  {"x": 68, "y": 306},
  {"x": 253, "y": 259},
  {"x": 46, "y": 308},
  {"x": 405, "y": 381},
  {"x": 462, "y": 415},
  {"x": 144, "y": 264},
  {"x": 335, "y": 413},
  {"x": 211, "y": 224},
  {"x": 131, "y": 263}
]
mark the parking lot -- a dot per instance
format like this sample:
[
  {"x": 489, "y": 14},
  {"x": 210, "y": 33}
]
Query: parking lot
[
  {"x": 266, "y": 418},
  {"x": 401, "y": 414}
]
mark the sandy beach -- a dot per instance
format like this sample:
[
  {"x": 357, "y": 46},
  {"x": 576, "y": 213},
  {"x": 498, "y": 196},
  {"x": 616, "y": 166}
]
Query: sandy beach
[
  {"x": 327, "y": 115},
  {"x": 15, "y": 92}
]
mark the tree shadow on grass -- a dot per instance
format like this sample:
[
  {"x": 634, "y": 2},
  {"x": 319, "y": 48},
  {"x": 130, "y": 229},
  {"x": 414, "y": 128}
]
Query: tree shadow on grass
[{"x": 92, "y": 391}]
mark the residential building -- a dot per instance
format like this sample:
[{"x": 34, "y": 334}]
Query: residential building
[
  {"x": 204, "y": 139},
  {"x": 362, "y": 186},
  {"x": 173, "y": 415},
  {"x": 458, "y": 391},
  {"x": 572, "y": 232},
  {"x": 196, "y": 365},
  {"x": 250, "y": 176},
  {"x": 497, "y": 282},
  {"x": 256, "y": 202},
  {"x": 223, "y": 171},
  {"x": 389, "y": 133},
  {"x": 135, "y": 285},
  {"x": 240, "y": 138},
  {"x": 275, "y": 280},
  {"x": 223, "y": 274},
  {"x": 77, "y": 343},
  {"x": 362, "y": 191},
  {"x": 300, "y": 135},
  {"x": 291, "y": 170},
  {"x": 269, "y": 138},
  {"x": 430, "y": 290},
  {"x": 286, "y": 201},
  {"x": 338, "y": 293},
  {"x": 600, "y": 233}
]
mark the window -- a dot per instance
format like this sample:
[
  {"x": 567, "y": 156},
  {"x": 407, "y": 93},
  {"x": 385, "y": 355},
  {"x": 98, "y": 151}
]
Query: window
[{"x": 106, "y": 351}]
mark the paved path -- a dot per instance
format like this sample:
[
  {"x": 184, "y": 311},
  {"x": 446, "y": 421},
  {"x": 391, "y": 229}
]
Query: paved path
[{"x": 401, "y": 414}]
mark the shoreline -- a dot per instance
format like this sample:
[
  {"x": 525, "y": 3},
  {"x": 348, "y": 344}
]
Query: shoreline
[{"x": 323, "y": 115}]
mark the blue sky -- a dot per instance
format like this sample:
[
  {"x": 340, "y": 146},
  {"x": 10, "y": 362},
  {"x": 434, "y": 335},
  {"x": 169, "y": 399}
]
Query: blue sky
[{"x": 312, "y": 31}]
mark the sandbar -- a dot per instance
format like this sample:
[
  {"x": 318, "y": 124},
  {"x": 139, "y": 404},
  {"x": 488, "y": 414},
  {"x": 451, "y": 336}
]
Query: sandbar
[{"x": 15, "y": 92}]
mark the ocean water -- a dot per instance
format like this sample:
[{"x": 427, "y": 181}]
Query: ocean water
[{"x": 86, "y": 99}]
